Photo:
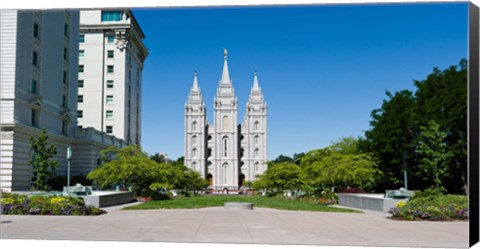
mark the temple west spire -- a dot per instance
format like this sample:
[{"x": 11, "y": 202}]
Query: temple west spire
[{"x": 195, "y": 96}]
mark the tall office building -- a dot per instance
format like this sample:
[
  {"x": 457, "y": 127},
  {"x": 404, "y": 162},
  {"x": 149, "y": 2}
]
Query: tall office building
[
  {"x": 111, "y": 56},
  {"x": 38, "y": 75}
]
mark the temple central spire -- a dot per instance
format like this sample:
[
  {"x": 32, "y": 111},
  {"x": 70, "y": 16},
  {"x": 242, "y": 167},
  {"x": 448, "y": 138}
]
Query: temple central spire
[
  {"x": 195, "y": 82},
  {"x": 225, "y": 75}
]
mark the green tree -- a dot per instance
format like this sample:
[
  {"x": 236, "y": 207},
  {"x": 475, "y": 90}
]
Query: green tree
[
  {"x": 442, "y": 97},
  {"x": 159, "y": 158},
  {"x": 339, "y": 165},
  {"x": 130, "y": 167},
  {"x": 179, "y": 161},
  {"x": 394, "y": 127},
  {"x": 192, "y": 180},
  {"x": 281, "y": 159},
  {"x": 43, "y": 166},
  {"x": 279, "y": 177},
  {"x": 433, "y": 154}
]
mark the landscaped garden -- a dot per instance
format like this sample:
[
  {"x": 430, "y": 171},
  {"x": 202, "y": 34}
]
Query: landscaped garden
[
  {"x": 258, "y": 201},
  {"x": 432, "y": 205},
  {"x": 15, "y": 204}
]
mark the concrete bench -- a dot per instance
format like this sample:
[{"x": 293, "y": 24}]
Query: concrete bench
[{"x": 238, "y": 205}]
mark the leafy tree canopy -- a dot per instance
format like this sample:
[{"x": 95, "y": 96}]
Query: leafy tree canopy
[
  {"x": 41, "y": 161},
  {"x": 396, "y": 127}
]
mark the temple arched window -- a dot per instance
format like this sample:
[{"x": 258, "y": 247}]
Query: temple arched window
[
  {"x": 225, "y": 123},
  {"x": 225, "y": 146},
  {"x": 194, "y": 125}
]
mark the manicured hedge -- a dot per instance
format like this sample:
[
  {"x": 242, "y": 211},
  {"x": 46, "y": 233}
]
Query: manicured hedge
[
  {"x": 15, "y": 204},
  {"x": 433, "y": 205}
]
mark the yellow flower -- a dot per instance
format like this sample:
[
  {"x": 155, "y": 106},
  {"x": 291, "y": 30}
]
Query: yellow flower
[
  {"x": 6, "y": 201},
  {"x": 400, "y": 204},
  {"x": 56, "y": 200}
]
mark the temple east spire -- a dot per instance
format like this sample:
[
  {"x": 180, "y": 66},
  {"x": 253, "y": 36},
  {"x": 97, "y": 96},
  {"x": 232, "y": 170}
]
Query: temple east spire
[{"x": 256, "y": 96}]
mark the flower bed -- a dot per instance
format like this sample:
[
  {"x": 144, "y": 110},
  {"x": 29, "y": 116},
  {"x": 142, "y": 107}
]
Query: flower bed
[
  {"x": 14, "y": 204},
  {"x": 433, "y": 206}
]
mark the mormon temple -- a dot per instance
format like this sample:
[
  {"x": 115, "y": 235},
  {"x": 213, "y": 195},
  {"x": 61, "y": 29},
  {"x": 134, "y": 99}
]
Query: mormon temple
[{"x": 226, "y": 153}]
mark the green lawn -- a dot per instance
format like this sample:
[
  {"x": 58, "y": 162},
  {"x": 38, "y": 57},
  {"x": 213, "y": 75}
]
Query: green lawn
[{"x": 258, "y": 201}]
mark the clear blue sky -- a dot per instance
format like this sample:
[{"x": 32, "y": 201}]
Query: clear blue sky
[{"x": 322, "y": 68}]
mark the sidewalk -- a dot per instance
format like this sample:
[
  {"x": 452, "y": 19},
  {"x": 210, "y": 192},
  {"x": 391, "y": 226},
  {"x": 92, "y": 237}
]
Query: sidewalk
[{"x": 216, "y": 225}]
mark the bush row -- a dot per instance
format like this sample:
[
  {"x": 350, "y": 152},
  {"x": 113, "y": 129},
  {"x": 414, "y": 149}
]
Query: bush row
[
  {"x": 433, "y": 205},
  {"x": 15, "y": 204}
]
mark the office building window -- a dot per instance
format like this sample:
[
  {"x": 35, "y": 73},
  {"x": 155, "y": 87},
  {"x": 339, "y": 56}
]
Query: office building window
[
  {"x": 109, "y": 129},
  {"x": 65, "y": 29},
  {"x": 65, "y": 81},
  {"x": 109, "y": 115},
  {"x": 64, "y": 126},
  {"x": 80, "y": 68},
  {"x": 65, "y": 53},
  {"x": 34, "y": 86},
  {"x": 80, "y": 113},
  {"x": 110, "y": 69},
  {"x": 33, "y": 117},
  {"x": 108, "y": 16},
  {"x": 80, "y": 83},
  {"x": 110, "y": 53},
  {"x": 35, "y": 58},
  {"x": 109, "y": 99},
  {"x": 35, "y": 30},
  {"x": 82, "y": 38},
  {"x": 109, "y": 83},
  {"x": 80, "y": 98},
  {"x": 110, "y": 38},
  {"x": 81, "y": 53}
]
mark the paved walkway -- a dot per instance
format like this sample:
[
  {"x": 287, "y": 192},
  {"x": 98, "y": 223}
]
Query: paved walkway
[{"x": 261, "y": 225}]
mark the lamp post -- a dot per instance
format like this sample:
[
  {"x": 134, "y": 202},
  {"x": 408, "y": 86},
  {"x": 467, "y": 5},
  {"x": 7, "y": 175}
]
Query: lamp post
[
  {"x": 69, "y": 157},
  {"x": 405, "y": 178}
]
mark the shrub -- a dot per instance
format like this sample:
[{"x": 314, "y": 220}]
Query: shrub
[
  {"x": 46, "y": 205},
  {"x": 352, "y": 190},
  {"x": 325, "y": 201},
  {"x": 433, "y": 205}
]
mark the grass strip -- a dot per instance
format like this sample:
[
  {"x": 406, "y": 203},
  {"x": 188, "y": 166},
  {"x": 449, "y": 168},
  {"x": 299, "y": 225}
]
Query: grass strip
[{"x": 217, "y": 201}]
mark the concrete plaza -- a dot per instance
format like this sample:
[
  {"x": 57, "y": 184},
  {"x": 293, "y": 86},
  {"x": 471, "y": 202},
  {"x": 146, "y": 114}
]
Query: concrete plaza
[{"x": 258, "y": 226}]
